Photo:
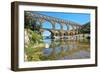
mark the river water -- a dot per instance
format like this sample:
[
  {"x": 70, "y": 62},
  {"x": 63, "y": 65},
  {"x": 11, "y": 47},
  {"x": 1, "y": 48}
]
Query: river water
[
  {"x": 60, "y": 50},
  {"x": 64, "y": 49}
]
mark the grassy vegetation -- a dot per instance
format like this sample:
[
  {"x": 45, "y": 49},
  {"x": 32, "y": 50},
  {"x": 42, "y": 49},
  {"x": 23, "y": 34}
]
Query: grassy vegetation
[{"x": 33, "y": 50}]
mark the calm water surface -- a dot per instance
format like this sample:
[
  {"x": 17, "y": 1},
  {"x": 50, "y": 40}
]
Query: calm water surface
[
  {"x": 67, "y": 49},
  {"x": 63, "y": 50}
]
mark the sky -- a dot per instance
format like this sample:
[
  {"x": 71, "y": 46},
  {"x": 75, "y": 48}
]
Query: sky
[{"x": 80, "y": 18}]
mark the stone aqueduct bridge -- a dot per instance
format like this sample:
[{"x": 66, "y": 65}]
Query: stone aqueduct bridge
[{"x": 72, "y": 27}]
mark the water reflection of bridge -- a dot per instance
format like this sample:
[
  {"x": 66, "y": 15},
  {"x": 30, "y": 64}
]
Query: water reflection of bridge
[
  {"x": 69, "y": 50},
  {"x": 72, "y": 27}
]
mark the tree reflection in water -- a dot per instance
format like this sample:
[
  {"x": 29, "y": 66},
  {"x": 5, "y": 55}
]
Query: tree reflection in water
[{"x": 60, "y": 49}]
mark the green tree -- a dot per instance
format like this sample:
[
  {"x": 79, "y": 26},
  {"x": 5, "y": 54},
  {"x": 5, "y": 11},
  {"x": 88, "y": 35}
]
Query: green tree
[{"x": 85, "y": 28}]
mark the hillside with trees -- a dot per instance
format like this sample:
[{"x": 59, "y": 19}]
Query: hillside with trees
[{"x": 85, "y": 28}]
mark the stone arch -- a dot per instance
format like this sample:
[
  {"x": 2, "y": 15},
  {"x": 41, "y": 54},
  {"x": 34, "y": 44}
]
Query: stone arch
[
  {"x": 47, "y": 25},
  {"x": 46, "y": 31},
  {"x": 65, "y": 33},
  {"x": 64, "y": 27},
  {"x": 58, "y": 26},
  {"x": 70, "y": 27}
]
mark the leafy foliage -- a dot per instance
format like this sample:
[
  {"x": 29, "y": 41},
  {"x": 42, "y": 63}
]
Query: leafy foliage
[{"x": 85, "y": 28}]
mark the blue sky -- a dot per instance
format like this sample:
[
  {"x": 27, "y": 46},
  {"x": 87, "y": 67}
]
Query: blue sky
[{"x": 75, "y": 17}]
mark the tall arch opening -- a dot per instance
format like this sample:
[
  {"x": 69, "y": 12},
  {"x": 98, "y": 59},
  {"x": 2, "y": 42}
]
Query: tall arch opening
[
  {"x": 58, "y": 26},
  {"x": 46, "y": 33},
  {"x": 70, "y": 28},
  {"x": 47, "y": 36},
  {"x": 64, "y": 27},
  {"x": 47, "y": 25}
]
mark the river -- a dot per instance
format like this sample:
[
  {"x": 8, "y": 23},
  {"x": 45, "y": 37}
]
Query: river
[{"x": 62, "y": 50}]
